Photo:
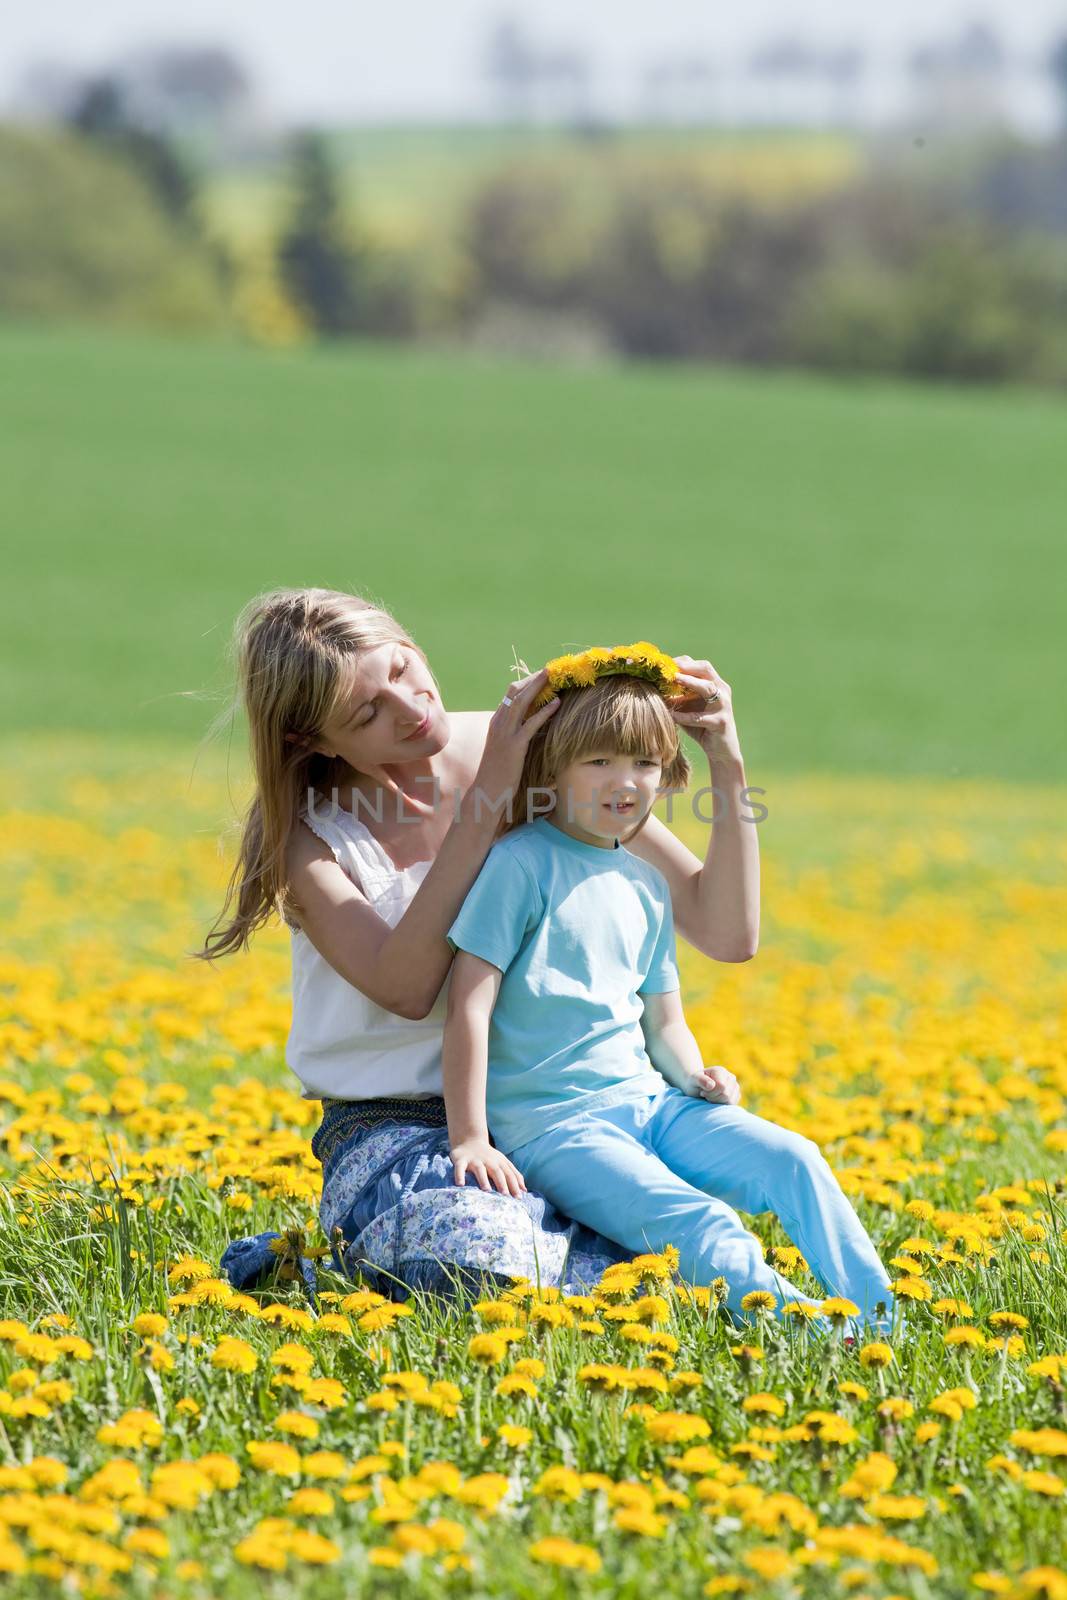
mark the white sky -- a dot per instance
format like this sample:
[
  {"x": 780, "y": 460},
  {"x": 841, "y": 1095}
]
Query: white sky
[{"x": 351, "y": 58}]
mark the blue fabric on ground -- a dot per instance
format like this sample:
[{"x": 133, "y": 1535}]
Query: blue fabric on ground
[{"x": 407, "y": 1225}]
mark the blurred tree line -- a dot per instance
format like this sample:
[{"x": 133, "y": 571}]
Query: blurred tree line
[
  {"x": 960, "y": 275},
  {"x": 881, "y": 274}
]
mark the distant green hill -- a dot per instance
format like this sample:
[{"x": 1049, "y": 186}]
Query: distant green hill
[
  {"x": 877, "y": 569},
  {"x": 82, "y": 236}
]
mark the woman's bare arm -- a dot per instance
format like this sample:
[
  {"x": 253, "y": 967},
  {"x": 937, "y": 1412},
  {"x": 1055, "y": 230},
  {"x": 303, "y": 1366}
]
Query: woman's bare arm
[
  {"x": 715, "y": 901},
  {"x": 401, "y": 968}
]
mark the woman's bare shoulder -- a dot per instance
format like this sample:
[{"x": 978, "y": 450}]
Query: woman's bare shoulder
[
  {"x": 471, "y": 724},
  {"x": 302, "y": 848},
  {"x": 469, "y": 729},
  {"x": 307, "y": 858}
]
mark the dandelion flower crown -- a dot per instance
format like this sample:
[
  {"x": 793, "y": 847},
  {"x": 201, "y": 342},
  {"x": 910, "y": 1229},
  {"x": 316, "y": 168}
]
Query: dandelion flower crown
[{"x": 581, "y": 671}]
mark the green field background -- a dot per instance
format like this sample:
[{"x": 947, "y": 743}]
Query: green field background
[{"x": 876, "y": 569}]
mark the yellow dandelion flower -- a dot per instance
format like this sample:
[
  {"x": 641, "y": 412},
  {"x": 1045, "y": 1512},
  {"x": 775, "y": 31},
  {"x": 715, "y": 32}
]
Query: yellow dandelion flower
[
  {"x": 1052, "y": 1367},
  {"x": 329, "y": 1393},
  {"x": 1045, "y": 1483},
  {"x": 530, "y": 1367},
  {"x": 313, "y": 1548},
  {"x": 487, "y": 1349},
  {"x": 310, "y": 1503},
  {"x": 1040, "y": 1441},
  {"x": 838, "y": 1308},
  {"x": 150, "y": 1324},
  {"x": 768, "y": 1562},
  {"x": 897, "y": 1507},
  {"x": 293, "y": 1358},
  {"x": 770, "y": 1404},
  {"x": 324, "y": 1464},
  {"x": 297, "y": 1424},
  {"x": 283, "y": 1316},
  {"x": 964, "y": 1398},
  {"x": 234, "y": 1355},
  {"x": 952, "y": 1308},
  {"x": 362, "y": 1300},
  {"x": 255, "y": 1551},
  {"x": 334, "y": 1322},
  {"x": 219, "y": 1469},
  {"x": 758, "y": 1300},
  {"x": 912, "y": 1289},
  {"x": 559, "y": 1483},
  {"x": 876, "y": 1473},
  {"x": 805, "y": 1309},
  {"x": 876, "y": 1355},
  {"x": 973, "y": 1338},
  {"x": 269, "y": 1455},
  {"x": 676, "y": 1427},
  {"x": 189, "y": 1270},
  {"x": 635, "y": 1519},
  {"x": 514, "y": 1383},
  {"x": 147, "y": 1542},
  {"x": 494, "y": 1311},
  {"x": 383, "y": 1317},
  {"x": 557, "y": 1551},
  {"x": 485, "y": 1489}
]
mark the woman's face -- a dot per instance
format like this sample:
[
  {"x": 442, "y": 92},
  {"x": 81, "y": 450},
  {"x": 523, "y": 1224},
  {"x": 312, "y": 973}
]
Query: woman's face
[{"x": 391, "y": 714}]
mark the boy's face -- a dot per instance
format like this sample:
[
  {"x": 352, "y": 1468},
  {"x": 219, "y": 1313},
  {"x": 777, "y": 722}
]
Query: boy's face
[{"x": 603, "y": 795}]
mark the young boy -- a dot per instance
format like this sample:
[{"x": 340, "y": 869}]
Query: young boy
[{"x": 565, "y": 1036}]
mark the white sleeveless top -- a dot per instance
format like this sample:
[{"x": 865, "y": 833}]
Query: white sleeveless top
[{"x": 341, "y": 1044}]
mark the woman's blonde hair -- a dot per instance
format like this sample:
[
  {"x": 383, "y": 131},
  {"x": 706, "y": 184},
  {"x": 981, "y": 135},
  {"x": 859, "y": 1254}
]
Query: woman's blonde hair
[
  {"x": 618, "y": 713},
  {"x": 295, "y": 652}
]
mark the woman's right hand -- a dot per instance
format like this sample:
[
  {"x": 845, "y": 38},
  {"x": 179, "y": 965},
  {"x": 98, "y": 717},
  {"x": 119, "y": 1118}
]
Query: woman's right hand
[
  {"x": 507, "y": 737},
  {"x": 485, "y": 1161}
]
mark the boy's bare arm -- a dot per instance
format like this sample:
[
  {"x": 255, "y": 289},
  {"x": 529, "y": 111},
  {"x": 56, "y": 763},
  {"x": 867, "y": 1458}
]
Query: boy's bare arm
[
  {"x": 674, "y": 1052},
  {"x": 464, "y": 1068}
]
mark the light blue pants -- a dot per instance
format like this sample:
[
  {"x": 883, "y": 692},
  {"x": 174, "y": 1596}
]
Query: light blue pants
[{"x": 670, "y": 1168}]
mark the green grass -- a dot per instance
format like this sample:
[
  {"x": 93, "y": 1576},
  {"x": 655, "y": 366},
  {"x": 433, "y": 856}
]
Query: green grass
[
  {"x": 900, "y": 1012},
  {"x": 874, "y": 568}
]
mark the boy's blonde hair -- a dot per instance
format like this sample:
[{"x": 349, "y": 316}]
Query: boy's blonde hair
[
  {"x": 295, "y": 652},
  {"x": 622, "y": 714}
]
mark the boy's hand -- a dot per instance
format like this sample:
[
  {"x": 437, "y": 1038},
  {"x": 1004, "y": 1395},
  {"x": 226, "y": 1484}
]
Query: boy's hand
[
  {"x": 715, "y": 1083},
  {"x": 486, "y": 1162}
]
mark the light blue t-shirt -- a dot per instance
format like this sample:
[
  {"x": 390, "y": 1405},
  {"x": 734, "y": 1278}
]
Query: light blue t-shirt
[{"x": 579, "y": 932}]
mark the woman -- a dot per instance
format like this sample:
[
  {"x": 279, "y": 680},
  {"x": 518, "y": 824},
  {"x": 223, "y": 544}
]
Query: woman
[{"x": 374, "y": 809}]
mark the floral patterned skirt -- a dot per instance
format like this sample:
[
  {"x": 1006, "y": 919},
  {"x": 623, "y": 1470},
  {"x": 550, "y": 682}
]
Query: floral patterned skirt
[{"x": 389, "y": 1185}]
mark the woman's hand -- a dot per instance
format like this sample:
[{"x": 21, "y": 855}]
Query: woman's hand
[
  {"x": 506, "y": 740},
  {"x": 709, "y": 722},
  {"x": 486, "y": 1162},
  {"x": 716, "y": 1084}
]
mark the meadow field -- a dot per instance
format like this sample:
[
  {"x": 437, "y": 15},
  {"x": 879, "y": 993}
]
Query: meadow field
[{"x": 874, "y": 570}]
